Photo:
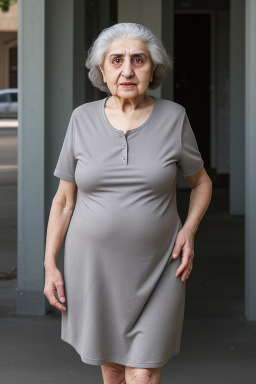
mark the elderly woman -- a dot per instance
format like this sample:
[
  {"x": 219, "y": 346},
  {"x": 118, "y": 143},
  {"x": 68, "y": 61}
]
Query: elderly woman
[{"x": 127, "y": 256}]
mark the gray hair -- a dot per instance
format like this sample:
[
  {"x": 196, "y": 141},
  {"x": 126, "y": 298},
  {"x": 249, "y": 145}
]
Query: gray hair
[{"x": 100, "y": 45}]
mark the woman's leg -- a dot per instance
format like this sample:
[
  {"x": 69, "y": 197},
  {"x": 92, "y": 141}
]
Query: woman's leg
[
  {"x": 113, "y": 373},
  {"x": 142, "y": 375}
]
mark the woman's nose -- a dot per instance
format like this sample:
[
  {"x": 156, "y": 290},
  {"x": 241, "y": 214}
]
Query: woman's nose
[{"x": 127, "y": 69}]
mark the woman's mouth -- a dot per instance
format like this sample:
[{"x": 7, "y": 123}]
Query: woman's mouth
[{"x": 128, "y": 85}]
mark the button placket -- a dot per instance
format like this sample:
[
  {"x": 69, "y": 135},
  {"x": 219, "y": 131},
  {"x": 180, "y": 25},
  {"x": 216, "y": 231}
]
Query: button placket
[{"x": 124, "y": 148}]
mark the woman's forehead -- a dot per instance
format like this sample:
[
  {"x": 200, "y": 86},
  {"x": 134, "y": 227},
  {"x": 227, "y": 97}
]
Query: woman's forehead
[{"x": 124, "y": 46}]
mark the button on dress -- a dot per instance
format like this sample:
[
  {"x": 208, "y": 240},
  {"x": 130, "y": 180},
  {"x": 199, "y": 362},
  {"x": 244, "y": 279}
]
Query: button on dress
[{"x": 124, "y": 302}]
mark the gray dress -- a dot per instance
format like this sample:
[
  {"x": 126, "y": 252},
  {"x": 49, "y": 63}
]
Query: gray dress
[{"x": 124, "y": 302}]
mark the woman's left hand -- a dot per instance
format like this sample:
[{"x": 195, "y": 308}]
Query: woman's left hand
[{"x": 185, "y": 243}]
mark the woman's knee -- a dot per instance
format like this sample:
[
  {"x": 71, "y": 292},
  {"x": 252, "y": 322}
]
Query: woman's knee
[
  {"x": 113, "y": 373},
  {"x": 142, "y": 375}
]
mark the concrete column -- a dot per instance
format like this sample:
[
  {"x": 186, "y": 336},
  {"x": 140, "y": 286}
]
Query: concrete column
[
  {"x": 250, "y": 160},
  {"x": 64, "y": 86},
  {"x": 237, "y": 107},
  {"x": 65, "y": 78},
  {"x": 45, "y": 82},
  {"x": 31, "y": 85}
]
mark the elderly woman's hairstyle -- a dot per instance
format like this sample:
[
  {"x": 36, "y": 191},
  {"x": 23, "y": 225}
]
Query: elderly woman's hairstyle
[{"x": 101, "y": 44}]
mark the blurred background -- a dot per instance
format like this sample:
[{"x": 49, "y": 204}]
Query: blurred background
[{"x": 43, "y": 45}]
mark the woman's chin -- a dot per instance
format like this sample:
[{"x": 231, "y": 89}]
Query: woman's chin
[{"x": 128, "y": 93}]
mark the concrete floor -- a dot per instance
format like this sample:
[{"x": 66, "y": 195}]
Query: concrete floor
[{"x": 218, "y": 343}]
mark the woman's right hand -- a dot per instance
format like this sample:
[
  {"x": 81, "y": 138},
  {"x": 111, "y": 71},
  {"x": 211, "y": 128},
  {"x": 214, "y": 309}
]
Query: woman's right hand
[{"x": 54, "y": 284}]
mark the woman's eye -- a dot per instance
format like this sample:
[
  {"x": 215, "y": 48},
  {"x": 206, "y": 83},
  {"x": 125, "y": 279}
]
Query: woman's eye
[
  {"x": 138, "y": 60},
  {"x": 116, "y": 60}
]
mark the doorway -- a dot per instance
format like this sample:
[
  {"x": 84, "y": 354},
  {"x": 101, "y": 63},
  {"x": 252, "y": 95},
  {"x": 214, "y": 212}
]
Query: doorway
[{"x": 192, "y": 75}]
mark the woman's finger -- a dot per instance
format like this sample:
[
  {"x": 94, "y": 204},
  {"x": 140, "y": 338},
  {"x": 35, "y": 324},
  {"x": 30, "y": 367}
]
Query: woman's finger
[
  {"x": 50, "y": 294},
  {"x": 54, "y": 288},
  {"x": 185, "y": 275},
  {"x": 176, "y": 250},
  {"x": 54, "y": 301},
  {"x": 187, "y": 272},
  {"x": 60, "y": 291},
  {"x": 184, "y": 261},
  {"x": 183, "y": 265},
  {"x": 177, "y": 247},
  {"x": 57, "y": 303},
  {"x": 186, "y": 264}
]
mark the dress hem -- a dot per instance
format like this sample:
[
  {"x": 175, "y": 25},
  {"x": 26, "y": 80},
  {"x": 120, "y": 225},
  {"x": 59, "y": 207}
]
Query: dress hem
[{"x": 118, "y": 360}]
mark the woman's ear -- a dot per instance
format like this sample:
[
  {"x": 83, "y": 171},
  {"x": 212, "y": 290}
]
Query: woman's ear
[
  {"x": 102, "y": 72},
  {"x": 152, "y": 73}
]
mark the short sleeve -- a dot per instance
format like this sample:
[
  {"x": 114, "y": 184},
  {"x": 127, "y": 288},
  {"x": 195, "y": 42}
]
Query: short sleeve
[
  {"x": 190, "y": 160},
  {"x": 65, "y": 168}
]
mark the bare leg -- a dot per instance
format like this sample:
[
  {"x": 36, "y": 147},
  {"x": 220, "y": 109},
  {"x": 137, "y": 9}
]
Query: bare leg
[
  {"x": 113, "y": 373},
  {"x": 142, "y": 375}
]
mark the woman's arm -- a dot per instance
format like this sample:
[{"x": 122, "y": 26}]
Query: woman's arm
[
  {"x": 200, "y": 198},
  {"x": 60, "y": 214}
]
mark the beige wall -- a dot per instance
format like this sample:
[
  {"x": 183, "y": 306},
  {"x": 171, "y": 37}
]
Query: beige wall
[
  {"x": 9, "y": 20},
  {"x": 8, "y": 39}
]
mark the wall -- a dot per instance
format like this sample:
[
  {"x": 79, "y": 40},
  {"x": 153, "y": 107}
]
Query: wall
[
  {"x": 149, "y": 13},
  {"x": 222, "y": 92},
  {"x": 9, "y": 20},
  {"x": 8, "y": 39},
  {"x": 145, "y": 12}
]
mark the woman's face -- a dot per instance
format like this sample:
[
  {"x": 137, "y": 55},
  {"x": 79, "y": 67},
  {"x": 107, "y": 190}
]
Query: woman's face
[{"x": 127, "y": 61}]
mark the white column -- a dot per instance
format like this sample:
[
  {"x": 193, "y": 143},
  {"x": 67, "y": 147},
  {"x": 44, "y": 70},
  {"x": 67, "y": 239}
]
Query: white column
[
  {"x": 237, "y": 107},
  {"x": 250, "y": 161}
]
